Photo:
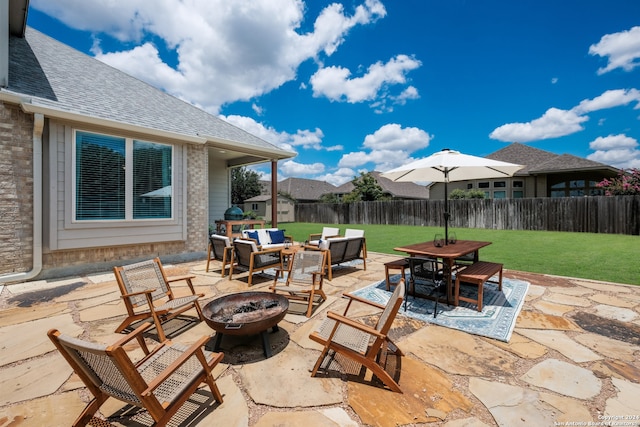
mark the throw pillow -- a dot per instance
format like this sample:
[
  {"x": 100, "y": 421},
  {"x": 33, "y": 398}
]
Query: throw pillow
[
  {"x": 254, "y": 235},
  {"x": 277, "y": 236}
]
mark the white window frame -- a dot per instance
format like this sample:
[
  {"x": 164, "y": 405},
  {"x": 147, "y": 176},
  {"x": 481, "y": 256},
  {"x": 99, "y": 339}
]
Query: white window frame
[{"x": 128, "y": 181}]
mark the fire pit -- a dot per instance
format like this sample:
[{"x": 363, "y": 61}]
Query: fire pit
[{"x": 246, "y": 313}]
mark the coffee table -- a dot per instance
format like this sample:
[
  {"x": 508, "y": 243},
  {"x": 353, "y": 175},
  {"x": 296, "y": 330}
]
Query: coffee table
[{"x": 246, "y": 313}]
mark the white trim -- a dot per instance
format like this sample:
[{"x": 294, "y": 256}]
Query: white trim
[{"x": 243, "y": 147}]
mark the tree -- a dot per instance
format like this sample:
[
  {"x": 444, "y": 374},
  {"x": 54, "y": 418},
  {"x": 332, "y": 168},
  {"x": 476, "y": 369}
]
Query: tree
[
  {"x": 330, "y": 198},
  {"x": 245, "y": 184},
  {"x": 366, "y": 189},
  {"x": 627, "y": 183},
  {"x": 469, "y": 194}
]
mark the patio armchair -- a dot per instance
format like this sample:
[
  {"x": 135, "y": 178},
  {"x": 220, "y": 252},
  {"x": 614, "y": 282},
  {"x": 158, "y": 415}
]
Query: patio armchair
[
  {"x": 366, "y": 345},
  {"x": 220, "y": 249},
  {"x": 304, "y": 279},
  {"x": 160, "y": 383},
  {"x": 246, "y": 254},
  {"x": 327, "y": 232},
  {"x": 146, "y": 293}
]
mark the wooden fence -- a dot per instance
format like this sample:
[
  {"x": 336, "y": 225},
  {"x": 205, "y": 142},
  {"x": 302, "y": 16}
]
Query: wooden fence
[{"x": 601, "y": 214}]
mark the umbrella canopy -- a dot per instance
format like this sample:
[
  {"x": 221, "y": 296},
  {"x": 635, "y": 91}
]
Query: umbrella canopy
[{"x": 447, "y": 166}]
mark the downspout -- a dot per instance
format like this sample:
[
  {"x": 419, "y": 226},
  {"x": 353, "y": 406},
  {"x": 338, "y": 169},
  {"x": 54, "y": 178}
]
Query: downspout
[{"x": 38, "y": 126}]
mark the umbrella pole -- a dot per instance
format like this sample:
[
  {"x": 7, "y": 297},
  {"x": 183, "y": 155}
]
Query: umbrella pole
[{"x": 446, "y": 208}]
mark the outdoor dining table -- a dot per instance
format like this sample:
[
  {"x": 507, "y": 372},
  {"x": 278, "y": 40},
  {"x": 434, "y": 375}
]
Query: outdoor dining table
[{"x": 448, "y": 254}]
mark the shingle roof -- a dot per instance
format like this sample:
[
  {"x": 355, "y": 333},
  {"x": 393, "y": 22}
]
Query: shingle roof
[
  {"x": 540, "y": 161},
  {"x": 302, "y": 188},
  {"x": 62, "y": 78},
  {"x": 397, "y": 189}
]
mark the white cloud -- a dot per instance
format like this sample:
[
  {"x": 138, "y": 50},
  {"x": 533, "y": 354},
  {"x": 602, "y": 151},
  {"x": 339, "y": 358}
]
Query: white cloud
[
  {"x": 291, "y": 168},
  {"x": 609, "y": 99},
  {"x": 621, "y": 158},
  {"x": 619, "y": 151},
  {"x": 552, "y": 124},
  {"x": 386, "y": 148},
  {"x": 393, "y": 136},
  {"x": 226, "y": 50},
  {"x": 555, "y": 122},
  {"x": 613, "y": 142},
  {"x": 339, "y": 177},
  {"x": 307, "y": 139},
  {"x": 257, "y": 109},
  {"x": 622, "y": 50},
  {"x": 337, "y": 84}
]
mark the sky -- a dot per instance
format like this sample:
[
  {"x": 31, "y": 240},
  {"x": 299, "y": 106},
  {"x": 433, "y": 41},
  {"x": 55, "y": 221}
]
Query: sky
[{"x": 363, "y": 85}]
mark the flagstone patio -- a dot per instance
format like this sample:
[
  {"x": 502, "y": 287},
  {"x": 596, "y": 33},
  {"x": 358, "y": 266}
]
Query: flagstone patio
[{"x": 574, "y": 356}]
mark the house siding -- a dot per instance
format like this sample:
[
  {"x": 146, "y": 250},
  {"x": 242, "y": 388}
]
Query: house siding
[
  {"x": 16, "y": 186},
  {"x": 65, "y": 243}
]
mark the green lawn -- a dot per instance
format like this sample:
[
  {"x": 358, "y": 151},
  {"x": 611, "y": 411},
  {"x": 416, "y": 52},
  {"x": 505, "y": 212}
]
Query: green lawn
[{"x": 608, "y": 257}]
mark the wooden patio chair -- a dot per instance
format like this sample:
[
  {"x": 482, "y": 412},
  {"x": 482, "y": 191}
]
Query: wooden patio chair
[
  {"x": 147, "y": 293},
  {"x": 160, "y": 382},
  {"x": 366, "y": 345},
  {"x": 304, "y": 279},
  {"x": 220, "y": 249},
  {"x": 246, "y": 254}
]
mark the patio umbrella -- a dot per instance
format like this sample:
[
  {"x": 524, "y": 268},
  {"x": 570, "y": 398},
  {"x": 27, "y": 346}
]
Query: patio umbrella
[{"x": 447, "y": 166}]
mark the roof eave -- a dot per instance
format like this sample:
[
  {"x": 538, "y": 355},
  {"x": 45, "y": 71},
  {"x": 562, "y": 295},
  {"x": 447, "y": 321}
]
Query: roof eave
[
  {"x": 241, "y": 147},
  {"x": 33, "y": 108}
]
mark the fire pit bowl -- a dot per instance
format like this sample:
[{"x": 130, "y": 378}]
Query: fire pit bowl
[{"x": 245, "y": 313}]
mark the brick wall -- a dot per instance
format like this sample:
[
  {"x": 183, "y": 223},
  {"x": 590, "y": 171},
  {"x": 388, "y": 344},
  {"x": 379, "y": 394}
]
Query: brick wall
[
  {"x": 197, "y": 198},
  {"x": 16, "y": 187}
]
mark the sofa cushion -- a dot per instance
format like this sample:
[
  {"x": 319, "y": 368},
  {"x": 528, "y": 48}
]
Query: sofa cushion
[
  {"x": 277, "y": 236},
  {"x": 253, "y": 234}
]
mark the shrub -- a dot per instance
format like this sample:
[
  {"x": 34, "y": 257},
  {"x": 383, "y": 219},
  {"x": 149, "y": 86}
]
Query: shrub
[{"x": 625, "y": 184}]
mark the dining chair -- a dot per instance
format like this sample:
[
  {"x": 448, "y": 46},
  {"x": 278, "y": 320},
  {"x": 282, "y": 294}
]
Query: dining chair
[{"x": 429, "y": 271}]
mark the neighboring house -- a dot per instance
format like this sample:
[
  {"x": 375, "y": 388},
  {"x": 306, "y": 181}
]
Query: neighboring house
[
  {"x": 300, "y": 189},
  {"x": 545, "y": 175},
  {"x": 261, "y": 205},
  {"x": 393, "y": 189},
  {"x": 100, "y": 168}
]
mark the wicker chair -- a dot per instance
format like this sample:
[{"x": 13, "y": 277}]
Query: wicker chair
[
  {"x": 247, "y": 255},
  {"x": 366, "y": 345},
  {"x": 145, "y": 283},
  {"x": 304, "y": 279},
  {"x": 160, "y": 383},
  {"x": 220, "y": 249}
]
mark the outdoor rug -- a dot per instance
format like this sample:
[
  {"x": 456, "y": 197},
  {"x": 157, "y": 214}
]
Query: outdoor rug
[{"x": 496, "y": 320}]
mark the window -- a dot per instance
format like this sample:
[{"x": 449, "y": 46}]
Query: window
[
  {"x": 254, "y": 206},
  {"x": 499, "y": 194},
  {"x": 499, "y": 184},
  {"x": 469, "y": 186},
  {"x": 518, "y": 184},
  {"x": 105, "y": 164},
  {"x": 483, "y": 185},
  {"x": 518, "y": 194}
]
